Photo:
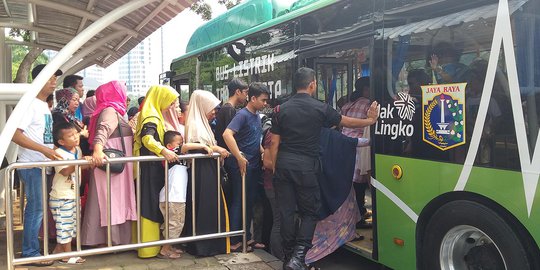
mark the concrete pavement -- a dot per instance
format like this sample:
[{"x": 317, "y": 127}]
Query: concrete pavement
[{"x": 257, "y": 260}]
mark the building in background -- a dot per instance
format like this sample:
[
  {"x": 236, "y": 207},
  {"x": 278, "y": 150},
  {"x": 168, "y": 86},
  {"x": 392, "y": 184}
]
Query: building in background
[{"x": 140, "y": 68}]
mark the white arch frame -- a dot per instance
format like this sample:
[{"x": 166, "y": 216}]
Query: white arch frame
[{"x": 31, "y": 90}]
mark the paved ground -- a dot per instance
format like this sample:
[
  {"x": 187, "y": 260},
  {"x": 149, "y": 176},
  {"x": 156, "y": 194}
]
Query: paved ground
[{"x": 128, "y": 260}]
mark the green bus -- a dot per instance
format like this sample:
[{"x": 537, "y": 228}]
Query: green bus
[{"x": 455, "y": 162}]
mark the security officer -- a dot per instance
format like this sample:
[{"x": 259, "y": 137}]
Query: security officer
[{"x": 296, "y": 128}]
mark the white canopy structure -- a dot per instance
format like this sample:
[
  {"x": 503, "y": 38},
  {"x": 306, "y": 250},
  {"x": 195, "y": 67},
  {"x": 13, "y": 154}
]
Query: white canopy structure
[{"x": 85, "y": 32}]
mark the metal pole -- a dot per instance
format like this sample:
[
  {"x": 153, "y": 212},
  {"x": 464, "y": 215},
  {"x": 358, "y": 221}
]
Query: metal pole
[
  {"x": 218, "y": 195},
  {"x": 193, "y": 219},
  {"x": 10, "y": 174},
  {"x": 21, "y": 199},
  {"x": 166, "y": 200},
  {"x": 138, "y": 202},
  {"x": 45, "y": 216},
  {"x": 78, "y": 205},
  {"x": 244, "y": 236},
  {"x": 109, "y": 236}
]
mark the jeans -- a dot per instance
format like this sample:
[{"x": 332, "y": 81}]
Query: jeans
[
  {"x": 253, "y": 176},
  {"x": 33, "y": 212}
]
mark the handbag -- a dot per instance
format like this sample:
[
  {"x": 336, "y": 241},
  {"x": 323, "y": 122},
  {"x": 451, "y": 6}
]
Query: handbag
[{"x": 115, "y": 153}]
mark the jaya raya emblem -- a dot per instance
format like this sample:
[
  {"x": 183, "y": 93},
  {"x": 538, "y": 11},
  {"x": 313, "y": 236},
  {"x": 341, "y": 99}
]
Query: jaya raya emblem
[{"x": 443, "y": 111}]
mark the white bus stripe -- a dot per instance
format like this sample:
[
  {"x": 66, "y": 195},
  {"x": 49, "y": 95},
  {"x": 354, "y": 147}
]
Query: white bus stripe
[{"x": 394, "y": 198}]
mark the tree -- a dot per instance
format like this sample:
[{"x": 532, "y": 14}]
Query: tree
[
  {"x": 202, "y": 8},
  {"x": 24, "y": 66}
]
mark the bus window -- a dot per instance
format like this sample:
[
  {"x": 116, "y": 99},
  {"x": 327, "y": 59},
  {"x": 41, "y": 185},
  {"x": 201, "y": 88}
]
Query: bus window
[{"x": 447, "y": 64}]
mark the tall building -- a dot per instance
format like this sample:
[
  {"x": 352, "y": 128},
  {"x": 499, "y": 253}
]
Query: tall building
[{"x": 140, "y": 68}]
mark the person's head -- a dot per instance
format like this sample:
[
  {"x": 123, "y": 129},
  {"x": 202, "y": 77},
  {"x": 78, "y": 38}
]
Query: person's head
[
  {"x": 160, "y": 98},
  {"x": 258, "y": 95},
  {"x": 415, "y": 79},
  {"x": 90, "y": 93},
  {"x": 50, "y": 101},
  {"x": 112, "y": 94},
  {"x": 361, "y": 88},
  {"x": 128, "y": 100},
  {"x": 172, "y": 139},
  {"x": 140, "y": 100},
  {"x": 76, "y": 82},
  {"x": 88, "y": 108},
  {"x": 65, "y": 135},
  {"x": 475, "y": 77},
  {"x": 446, "y": 52},
  {"x": 204, "y": 103},
  {"x": 49, "y": 87},
  {"x": 183, "y": 112},
  {"x": 67, "y": 100},
  {"x": 304, "y": 80},
  {"x": 132, "y": 112},
  {"x": 238, "y": 88}
]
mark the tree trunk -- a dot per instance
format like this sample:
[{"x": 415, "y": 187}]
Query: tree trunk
[{"x": 26, "y": 64}]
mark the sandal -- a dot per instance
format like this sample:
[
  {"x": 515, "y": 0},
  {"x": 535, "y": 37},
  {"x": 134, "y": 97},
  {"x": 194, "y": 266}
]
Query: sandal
[
  {"x": 72, "y": 260},
  {"x": 256, "y": 245},
  {"x": 177, "y": 250},
  {"x": 41, "y": 264},
  {"x": 358, "y": 237},
  {"x": 239, "y": 249},
  {"x": 169, "y": 256}
]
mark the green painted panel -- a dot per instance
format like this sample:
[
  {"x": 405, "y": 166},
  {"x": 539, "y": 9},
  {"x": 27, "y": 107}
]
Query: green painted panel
[
  {"x": 393, "y": 223},
  {"x": 423, "y": 181}
]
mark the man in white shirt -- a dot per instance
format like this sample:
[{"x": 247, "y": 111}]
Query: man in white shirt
[{"x": 35, "y": 138}]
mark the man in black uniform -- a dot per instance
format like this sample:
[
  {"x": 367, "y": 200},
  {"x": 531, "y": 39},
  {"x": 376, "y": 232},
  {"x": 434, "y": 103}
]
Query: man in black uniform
[{"x": 296, "y": 128}]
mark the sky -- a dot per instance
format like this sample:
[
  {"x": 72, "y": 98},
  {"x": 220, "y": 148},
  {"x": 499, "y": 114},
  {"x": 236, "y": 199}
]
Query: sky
[{"x": 176, "y": 34}]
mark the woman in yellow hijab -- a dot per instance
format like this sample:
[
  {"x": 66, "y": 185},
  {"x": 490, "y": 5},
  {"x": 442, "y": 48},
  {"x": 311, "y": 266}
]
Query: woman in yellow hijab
[
  {"x": 151, "y": 128},
  {"x": 202, "y": 110}
]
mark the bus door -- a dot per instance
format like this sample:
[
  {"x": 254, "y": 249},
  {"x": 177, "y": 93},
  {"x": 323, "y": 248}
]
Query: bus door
[{"x": 334, "y": 80}]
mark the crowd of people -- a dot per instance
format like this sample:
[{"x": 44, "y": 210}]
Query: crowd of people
[{"x": 280, "y": 160}]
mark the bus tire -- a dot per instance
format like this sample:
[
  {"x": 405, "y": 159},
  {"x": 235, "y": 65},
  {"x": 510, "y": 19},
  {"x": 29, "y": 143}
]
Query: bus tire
[{"x": 468, "y": 235}]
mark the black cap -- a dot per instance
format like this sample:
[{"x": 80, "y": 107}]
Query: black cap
[{"x": 37, "y": 69}]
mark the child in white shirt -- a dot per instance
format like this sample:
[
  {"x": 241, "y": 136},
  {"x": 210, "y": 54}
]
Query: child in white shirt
[
  {"x": 177, "y": 188},
  {"x": 62, "y": 196}
]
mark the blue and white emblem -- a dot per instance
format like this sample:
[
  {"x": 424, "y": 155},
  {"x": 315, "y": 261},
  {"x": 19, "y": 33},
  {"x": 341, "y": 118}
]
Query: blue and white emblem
[{"x": 443, "y": 115}]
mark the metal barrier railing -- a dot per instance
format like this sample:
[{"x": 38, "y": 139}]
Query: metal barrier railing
[{"x": 9, "y": 176}]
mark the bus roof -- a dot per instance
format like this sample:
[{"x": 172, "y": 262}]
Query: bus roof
[{"x": 245, "y": 19}]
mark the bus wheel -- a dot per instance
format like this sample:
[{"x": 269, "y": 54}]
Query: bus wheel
[{"x": 468, "y": 235}]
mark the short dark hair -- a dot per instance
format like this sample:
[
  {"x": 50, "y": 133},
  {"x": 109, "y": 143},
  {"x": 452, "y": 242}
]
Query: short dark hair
[
  {"x": 71, "y": 80},
  {"x": 419, "y": 75},
  {"x": 235, "y": 84},
  {"x": 303, "y": 77},
  {"x": 257, "y": 89},
  {"x": 90, "y": 93},
  {"x": 183, "y": 106},
  {"x": 169, "y": 136},
  {"x": 58, "y": 131},
  {"x": 140, "y": 100},
  {"x": 37, "y": 69},
  {"x": 361, "y": 83}
]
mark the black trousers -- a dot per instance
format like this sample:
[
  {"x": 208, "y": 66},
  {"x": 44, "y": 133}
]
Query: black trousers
[
  {"x": 297, "y": 190},
  {"x": 360, "y": 190}
]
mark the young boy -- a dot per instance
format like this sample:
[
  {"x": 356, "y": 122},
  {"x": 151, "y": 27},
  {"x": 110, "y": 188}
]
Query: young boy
[
  {"x": 178, "y": 178},
  {"x": 62, "y": 196}
]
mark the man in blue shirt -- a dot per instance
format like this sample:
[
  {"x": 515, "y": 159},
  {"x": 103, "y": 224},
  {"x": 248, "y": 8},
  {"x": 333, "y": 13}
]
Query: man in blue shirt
[{"x": 243, "y": 137}]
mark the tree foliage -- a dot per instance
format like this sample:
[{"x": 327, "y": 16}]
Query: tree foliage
[
  {"x": 23, "y": 57},
  {"x": 202, "y": 8}
]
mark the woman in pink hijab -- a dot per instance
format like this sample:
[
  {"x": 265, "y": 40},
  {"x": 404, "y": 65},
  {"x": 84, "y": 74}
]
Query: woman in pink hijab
[{"x": 104, "y": 128}]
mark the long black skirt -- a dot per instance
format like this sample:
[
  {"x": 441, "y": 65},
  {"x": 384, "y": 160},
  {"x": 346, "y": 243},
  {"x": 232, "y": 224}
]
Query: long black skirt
[{"x": 206, "y": 210}]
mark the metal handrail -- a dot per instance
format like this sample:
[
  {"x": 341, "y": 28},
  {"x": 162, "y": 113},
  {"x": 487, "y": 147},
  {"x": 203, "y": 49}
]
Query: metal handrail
[{"x": 10, "y": 171}]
